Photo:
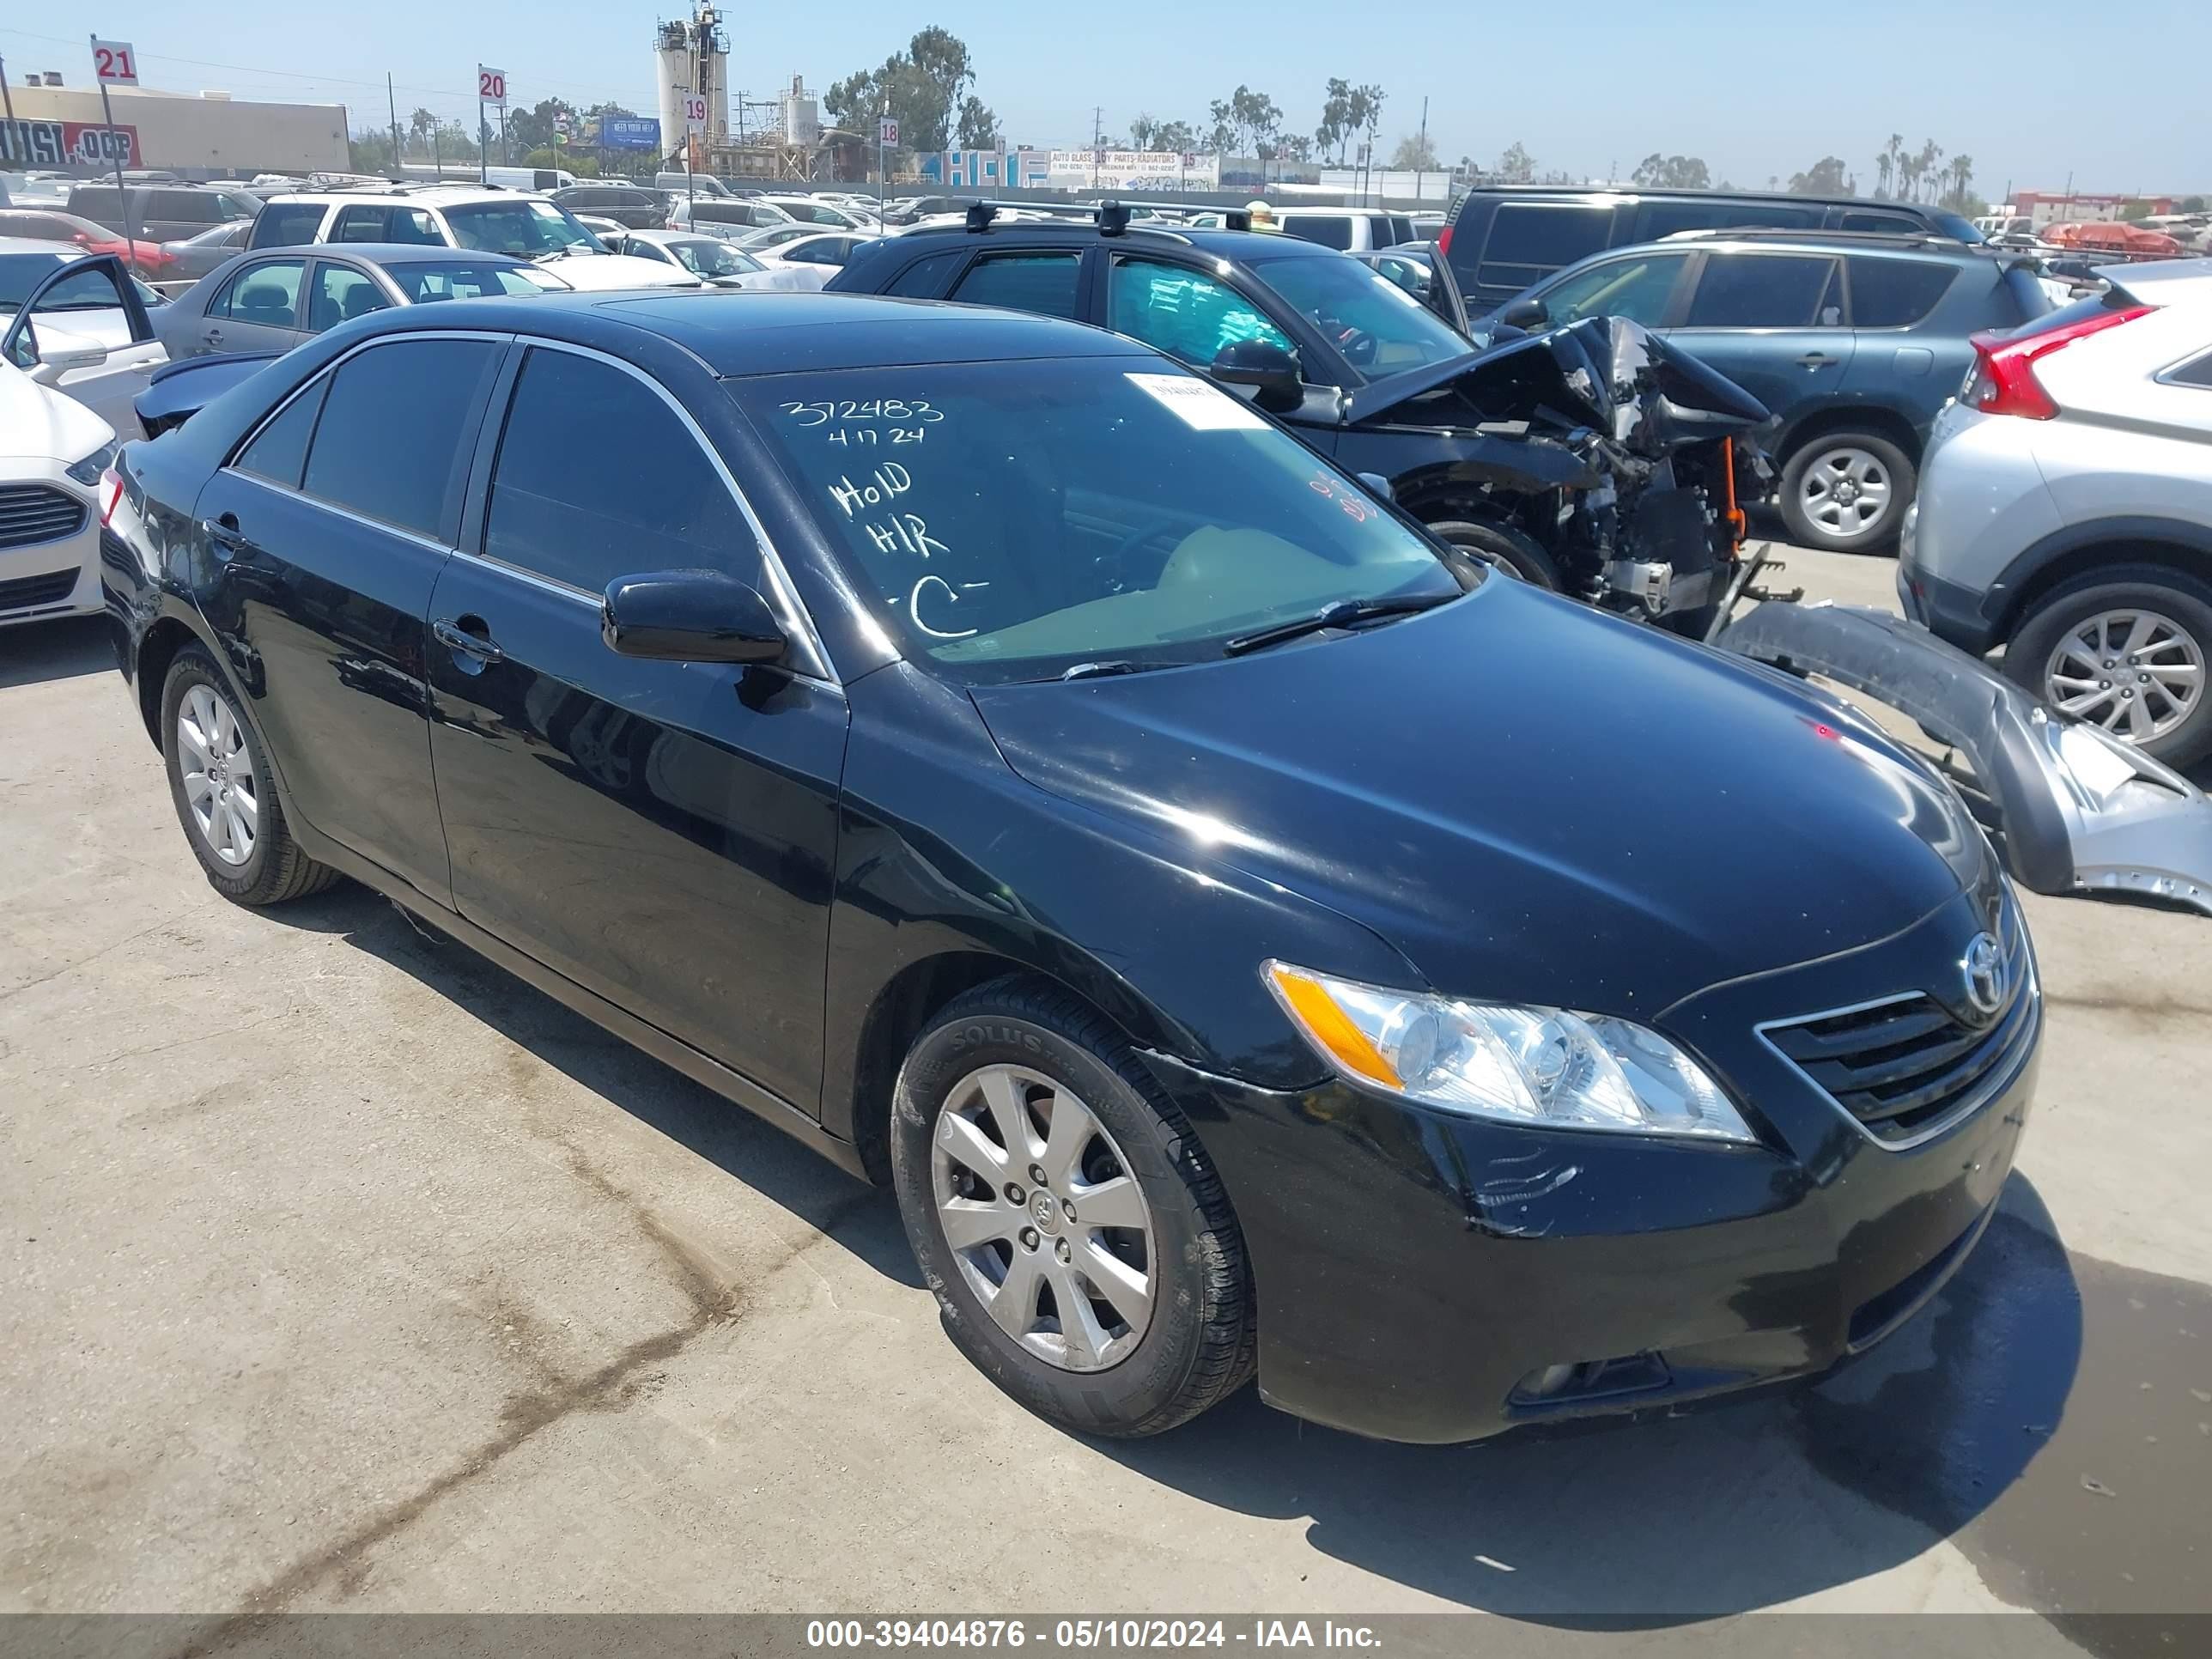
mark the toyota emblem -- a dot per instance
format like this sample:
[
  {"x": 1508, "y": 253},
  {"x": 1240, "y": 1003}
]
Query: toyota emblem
[{"x": 1983, "y": 966}]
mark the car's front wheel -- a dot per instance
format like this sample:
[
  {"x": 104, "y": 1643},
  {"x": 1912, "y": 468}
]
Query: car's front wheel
[
  {"x": 2126, "y": 647},
  {"x": 219, "y": 780},
  {"x": 1081, "y": 1249},
  {"x": 1846, "y": 492}
]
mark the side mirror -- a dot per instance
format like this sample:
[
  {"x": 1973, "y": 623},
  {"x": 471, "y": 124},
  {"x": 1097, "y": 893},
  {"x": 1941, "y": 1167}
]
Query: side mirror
[
  {"x": 62, "y": 352},
  {"x": 1270, "y": 371},
  {"x": 1377, "y": 486},
  {"x": 1525, "y": 313},
  {"x": 689, "y": 615}
]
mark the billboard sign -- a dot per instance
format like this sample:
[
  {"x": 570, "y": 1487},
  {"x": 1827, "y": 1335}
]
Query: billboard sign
[
  {"x": 630, "y": 132},
  {"x": 68, "y": 144},
  {"x": 1133, "y": 169}
]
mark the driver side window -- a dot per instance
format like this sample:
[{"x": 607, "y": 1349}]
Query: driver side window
[
  {"x": 1182, "y": 312},
  {"x": 1638, "y": 288}
]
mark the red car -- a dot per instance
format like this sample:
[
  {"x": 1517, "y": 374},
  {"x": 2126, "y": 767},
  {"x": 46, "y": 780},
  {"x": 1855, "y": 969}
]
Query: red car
[{"x": 51, "y": 225}]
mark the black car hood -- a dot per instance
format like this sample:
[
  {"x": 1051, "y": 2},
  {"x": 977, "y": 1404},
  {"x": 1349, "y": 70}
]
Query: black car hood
[
  {"x": 1529, "y": 801},
  {"x": 1605, "y": 372}
]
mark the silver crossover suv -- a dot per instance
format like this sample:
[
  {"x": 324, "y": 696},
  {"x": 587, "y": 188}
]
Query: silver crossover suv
[{"x": 2065, "y": 509}]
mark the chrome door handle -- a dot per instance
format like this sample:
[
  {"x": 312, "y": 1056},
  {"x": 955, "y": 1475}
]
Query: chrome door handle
[{"x": 466, "y": 641}]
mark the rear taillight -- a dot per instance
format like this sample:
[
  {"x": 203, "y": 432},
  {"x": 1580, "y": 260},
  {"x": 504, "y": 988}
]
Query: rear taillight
[
  {"x": 2005, "y": 381},
  {"x": 1443, "y": 240},
  {"x": 111, "y": 495}
]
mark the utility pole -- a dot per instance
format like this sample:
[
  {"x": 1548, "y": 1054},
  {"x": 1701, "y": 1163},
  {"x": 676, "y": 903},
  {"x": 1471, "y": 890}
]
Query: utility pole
[
  {"x": 392, "y": 106},
  {"x": 1421, "y": 156},
  {"x": 1097, "y": 120},
  {"x": 7, "y": 98},
  {"x": 882, "y": 116}
]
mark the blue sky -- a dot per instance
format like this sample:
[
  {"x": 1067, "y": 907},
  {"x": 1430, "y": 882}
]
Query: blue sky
[{"x": 1755, "y": 90}]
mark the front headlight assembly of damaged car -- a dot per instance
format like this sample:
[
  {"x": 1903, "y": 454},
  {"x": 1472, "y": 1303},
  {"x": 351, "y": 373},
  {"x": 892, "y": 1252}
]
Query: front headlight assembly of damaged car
[{"x": 1536, "y": 1067}]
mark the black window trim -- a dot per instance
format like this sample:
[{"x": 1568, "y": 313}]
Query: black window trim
[
  {"x": 1838, "y": 274},
  {"x": 320, "y": 377},
  {"x": 2167, "y": 376},
  {"x": 819, "y": 671}
]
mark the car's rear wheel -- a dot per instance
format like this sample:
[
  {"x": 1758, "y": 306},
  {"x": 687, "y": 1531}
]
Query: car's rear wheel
[
  {"x": 2127, "y": 648},
  {"x": 1510, "y": 551},
  {"x": 1846, "y": 492},
  {"x": 219, "y": 780},
  {"x": 1082, "y": 1252}
]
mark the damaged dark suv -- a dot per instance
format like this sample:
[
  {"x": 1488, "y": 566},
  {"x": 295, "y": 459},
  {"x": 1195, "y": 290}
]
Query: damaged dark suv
[{"x": 1594, "y": 459}]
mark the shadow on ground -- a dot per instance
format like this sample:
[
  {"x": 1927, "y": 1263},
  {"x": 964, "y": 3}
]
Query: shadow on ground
[
  {"x": 726, "y": 1135},
  {"x": 31, "y": 651}
]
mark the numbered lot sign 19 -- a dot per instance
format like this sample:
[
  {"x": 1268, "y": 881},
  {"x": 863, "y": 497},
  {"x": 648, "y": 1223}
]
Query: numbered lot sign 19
[
  {"x": 695, "y": 112},
  {"x": 491, "y": 86},
  {"x": 115, "y": 63}
]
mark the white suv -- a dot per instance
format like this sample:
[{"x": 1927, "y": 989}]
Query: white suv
[
  {"x": 2065, "y": 509},
  {"x": 486, "y": 220}
]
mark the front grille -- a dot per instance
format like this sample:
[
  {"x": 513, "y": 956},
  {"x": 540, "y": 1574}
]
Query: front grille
[
  {"x": 30, "y": 513},
  {"x": 27, "y": 593},
  {"x": 1905, "y": 1067}
]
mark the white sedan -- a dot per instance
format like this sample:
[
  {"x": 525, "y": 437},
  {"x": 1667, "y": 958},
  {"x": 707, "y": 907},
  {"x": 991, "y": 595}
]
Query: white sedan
[
  {"x": 815, "y": 259},
  {"x": 709, "y": 259},
  {"x": 52, "y": 452},
  {"x": 82, "y": 336}
]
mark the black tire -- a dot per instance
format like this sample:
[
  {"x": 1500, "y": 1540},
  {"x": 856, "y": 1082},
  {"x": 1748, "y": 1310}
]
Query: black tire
[
  {"x": 275, "y": 870},
  {"x": 2184, "y": 599},
  {"x": 1198, "y": 1347},
  {"x": 1806, "y": 532},
  {"x": 1516, "y": 553}
]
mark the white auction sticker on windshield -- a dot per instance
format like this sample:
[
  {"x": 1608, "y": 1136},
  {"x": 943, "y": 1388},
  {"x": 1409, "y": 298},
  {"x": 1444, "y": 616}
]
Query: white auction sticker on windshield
[{"x": 1202, "y": 407}]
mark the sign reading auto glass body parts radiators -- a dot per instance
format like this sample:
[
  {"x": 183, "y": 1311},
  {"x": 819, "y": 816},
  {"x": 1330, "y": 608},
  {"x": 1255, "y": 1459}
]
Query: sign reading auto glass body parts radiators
[
  {"x": 870, "y": 495},
  {"x": 1133, "y": 169}
]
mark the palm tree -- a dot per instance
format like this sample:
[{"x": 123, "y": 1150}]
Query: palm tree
[
  {"x": 1962, "y": 178},
  {"x": 1890, "y": 165},
  {"x": 1930, "y": 153}
]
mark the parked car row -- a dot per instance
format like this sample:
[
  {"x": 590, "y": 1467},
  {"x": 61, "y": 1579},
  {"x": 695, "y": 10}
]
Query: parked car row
[{"x": 1034, "y": 770}]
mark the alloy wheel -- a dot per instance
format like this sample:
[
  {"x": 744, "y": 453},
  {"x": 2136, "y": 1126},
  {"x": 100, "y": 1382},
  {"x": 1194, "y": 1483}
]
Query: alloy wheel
[
  {"x": 1049, "y": 1227},
  {"x": 2136, "y": 674},
  {"x": 1847, "y": 492},
  {"x": 219, "y": 787}
]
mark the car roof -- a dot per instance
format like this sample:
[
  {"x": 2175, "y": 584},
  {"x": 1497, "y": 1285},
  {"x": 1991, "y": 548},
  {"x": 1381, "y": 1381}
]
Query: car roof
[
  {"x": 1696, "y": 195},
  {"x": 39, "y": 245},
  {"x": 435, "y": 195},
  {"x": 738, "y": 333},
  {"x": 1831, "y": 241},
  {"x": 386, "y": 253},
  {"x": 2165, "y": 281},
  {"x": 1222, "y": 244}
]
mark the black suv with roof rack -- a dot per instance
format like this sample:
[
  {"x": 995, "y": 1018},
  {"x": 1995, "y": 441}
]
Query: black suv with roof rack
[{"x": 1502, "y": 238}]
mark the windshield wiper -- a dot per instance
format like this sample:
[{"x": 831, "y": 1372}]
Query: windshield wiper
[
  {"x": 1342, "y": 614},
  {"x": 1092, "y": 671}
]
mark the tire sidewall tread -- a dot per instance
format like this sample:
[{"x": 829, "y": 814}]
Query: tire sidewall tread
[
  {"x": 2185, "y": 597},
  {"x": 1905, "y": 483}
]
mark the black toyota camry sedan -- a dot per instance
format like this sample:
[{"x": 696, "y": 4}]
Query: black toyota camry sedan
[{"x": 1246, "y": 937}]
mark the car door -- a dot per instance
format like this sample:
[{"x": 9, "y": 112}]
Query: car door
[
  {"x": 1772, "y": 321},
  {"x": 325, "y": 533},
  {"x": 1902, "y": 358},
  {"x": 105, "y": 361},
  {"x": 257, "y": 309},
  {"x": 660, "y": 833}
]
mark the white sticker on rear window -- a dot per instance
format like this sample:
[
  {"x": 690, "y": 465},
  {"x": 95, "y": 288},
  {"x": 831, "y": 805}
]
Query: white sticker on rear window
[{"x": 1204, "y": 407}]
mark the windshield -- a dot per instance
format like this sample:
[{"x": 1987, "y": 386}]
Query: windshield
[
  {"x": 1379, "y": 327},
  {"x": 530, "y": 229},
  {"x": 703, "y": 257},
  {"x": 423, "y": 284},
  {"x": 1011, "y": 520}
]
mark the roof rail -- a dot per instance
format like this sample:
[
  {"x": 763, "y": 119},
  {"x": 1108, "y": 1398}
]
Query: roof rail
[{"x": 1782, "y": 233}]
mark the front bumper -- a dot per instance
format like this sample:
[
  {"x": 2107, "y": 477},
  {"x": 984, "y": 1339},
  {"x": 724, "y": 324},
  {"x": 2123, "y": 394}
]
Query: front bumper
[
  {"x": 57, "y": 575},
  {"x": 1430, "y": 1278}
]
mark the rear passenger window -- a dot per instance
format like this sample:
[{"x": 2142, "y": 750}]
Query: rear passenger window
[
  {"x": 2198, "y": 372},
  {"x": 1330, "y": 229},
  {"x": 360, "y": 224},
  {"x": 287, "y": 224},
  {"x": 1528, "y": 241},
  {"x": 1895, "y": 292},
  {"x": 1401, "y": 231},
  {"x": 1760, "y": 290},
  {"x": 650, "y": 501},
  {"x": 1042, "y": 283},
  {"x": 391, "y": 444},
  {"x": 267, "y": 292},
  {"x": 279, "y": 450},
  {"x": 921, "y": 279}
]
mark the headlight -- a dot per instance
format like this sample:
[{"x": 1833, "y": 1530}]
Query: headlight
[
  {"x": 88, "y": 470},
  {"x": 1534, "y": 1065}
]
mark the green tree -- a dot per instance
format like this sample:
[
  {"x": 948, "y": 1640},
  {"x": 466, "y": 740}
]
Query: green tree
[
  {"x": 2193, "y": 204},
  {"x": 1889, "y": 168},
  {"x": 1415, "y": 151},
  {"x": 2135, "y": 210},
  {"x": 1337, "y": 126},
  {"x": 1244, "y": 121},
  {"x": 979, "y": 128},
  {"x": 921, "y": 87},
  {"x": 1672, "y": 172},
  {"x": 533, "y": 128},
  {"x": 1517, "y": 166},
  {"x": 1177, "y": 136},
  {"x": 1825, "y": 176}
]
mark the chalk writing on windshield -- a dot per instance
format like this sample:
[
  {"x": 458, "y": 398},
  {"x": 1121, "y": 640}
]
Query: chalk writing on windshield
[{"x": 901, "y": 411}]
